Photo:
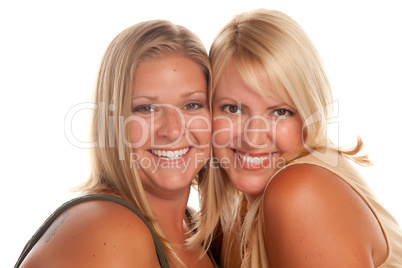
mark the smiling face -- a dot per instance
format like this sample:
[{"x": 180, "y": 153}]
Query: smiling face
[
  {"x": 253, "y": 135},
  {"x": 170, "y": 126}
]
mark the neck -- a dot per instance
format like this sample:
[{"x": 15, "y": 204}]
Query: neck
[
  {"x": 170, "y": 212},
  {"x": 252, "y": 198}
]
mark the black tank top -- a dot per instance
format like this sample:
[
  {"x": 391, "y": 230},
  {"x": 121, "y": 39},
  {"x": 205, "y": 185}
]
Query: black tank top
[{"x": 35, "y": 238}]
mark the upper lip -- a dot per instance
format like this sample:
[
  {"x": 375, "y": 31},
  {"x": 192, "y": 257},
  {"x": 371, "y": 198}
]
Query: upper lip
[{"x": 254, "y": 158}]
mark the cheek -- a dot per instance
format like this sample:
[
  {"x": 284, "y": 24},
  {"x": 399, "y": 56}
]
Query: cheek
[
  {"x": 289, "y": 137},
  {"x": 200, "y": 128},
  {"x": 139, "y": 131},
  {"x": 224, "y": 131}
]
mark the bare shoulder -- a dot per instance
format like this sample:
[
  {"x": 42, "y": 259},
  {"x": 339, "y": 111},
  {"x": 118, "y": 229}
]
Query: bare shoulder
[
  {"x": 297, "y": 180},
  {"x": 95, "y": 234},
  {"x": 300, "y": 184},
  {"x": 313, "y": 217}
]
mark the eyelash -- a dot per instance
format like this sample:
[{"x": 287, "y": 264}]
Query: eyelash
[
  {"x": 287, "y": 112},
  {"x": 140, "y": 109},
  {"x": 226, "y": 108},
  {"x": 146, "y": 109},
  {"x": 197, "y": 106}
]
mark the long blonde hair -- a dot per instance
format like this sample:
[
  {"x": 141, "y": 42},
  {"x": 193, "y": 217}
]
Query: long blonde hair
[
  {"x": 270, "y": 46},
  {"x": 110, "y": 159}
]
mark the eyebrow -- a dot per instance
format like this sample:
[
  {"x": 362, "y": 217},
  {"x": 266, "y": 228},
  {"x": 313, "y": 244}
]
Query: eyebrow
[
  {"x": 226, "y": 99},
  {"x": 195, "y": 92},
  {"x": 145, "y": 97},
  {"x": 188, "y": 94},
  {"x": 271, "y": 107}
]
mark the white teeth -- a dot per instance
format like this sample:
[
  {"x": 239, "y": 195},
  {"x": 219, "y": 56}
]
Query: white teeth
[
  {"x": 170, "y": 155},
  {"x": 250, "y": 159}
]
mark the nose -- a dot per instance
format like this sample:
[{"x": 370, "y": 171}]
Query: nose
[
  {"x": 256, "y": 132},
  {"x": 171, "y": 124}
]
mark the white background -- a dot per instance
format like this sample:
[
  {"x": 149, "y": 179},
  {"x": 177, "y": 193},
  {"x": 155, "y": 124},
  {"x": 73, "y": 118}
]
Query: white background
[{"x": 50, "y": 51}]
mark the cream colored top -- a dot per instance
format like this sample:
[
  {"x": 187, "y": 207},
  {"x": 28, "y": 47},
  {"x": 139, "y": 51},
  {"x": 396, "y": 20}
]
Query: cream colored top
[{"x": 339, "y": 165}]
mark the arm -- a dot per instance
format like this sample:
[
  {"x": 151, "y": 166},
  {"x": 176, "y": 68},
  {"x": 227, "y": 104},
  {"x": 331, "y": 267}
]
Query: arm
[
  {"x": 314, "y": 219},
  {"x": 95, "y": 234}
]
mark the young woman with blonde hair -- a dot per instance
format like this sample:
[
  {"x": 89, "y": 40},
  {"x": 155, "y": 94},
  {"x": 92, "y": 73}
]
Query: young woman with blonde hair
[
  {"x": 287, "y": 195},
  {"x": 152, "y": 132}
]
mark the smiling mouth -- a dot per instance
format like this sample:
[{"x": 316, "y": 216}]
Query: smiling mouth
[
  {"x": 170, "y": 155},
  {"x": 250, "y": 159}
]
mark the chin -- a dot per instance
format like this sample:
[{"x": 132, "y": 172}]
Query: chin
[{"x": 249, "y": 186}]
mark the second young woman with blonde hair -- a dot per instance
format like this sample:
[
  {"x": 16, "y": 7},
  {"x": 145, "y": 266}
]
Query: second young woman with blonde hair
[{"x": 287, "y": 195}]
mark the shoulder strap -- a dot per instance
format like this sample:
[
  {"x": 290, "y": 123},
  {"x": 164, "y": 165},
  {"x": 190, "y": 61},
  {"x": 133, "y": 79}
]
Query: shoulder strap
[{"x": 106, "y": 197}]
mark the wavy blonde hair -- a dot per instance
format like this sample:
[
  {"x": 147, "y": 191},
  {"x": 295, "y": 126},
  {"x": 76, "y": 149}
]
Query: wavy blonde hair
[
  {"x": 270, "y": 47},
  {"x": 110, "y": 159}
]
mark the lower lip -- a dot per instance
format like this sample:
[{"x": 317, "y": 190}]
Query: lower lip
[{"x": 252, "y": 166}]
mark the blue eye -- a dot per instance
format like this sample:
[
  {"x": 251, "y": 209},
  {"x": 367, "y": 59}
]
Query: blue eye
[
  {"x": 231, "y": 109},
  {"x": 144, "y": 109}
]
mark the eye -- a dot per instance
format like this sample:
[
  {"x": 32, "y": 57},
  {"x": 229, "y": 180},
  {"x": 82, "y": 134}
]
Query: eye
[
  {"x": 144, "y": 109},
  {"x": 231, "y": 109},
  {"x": 283, "y": 112},
  {"x": 193, "y": 106}
]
